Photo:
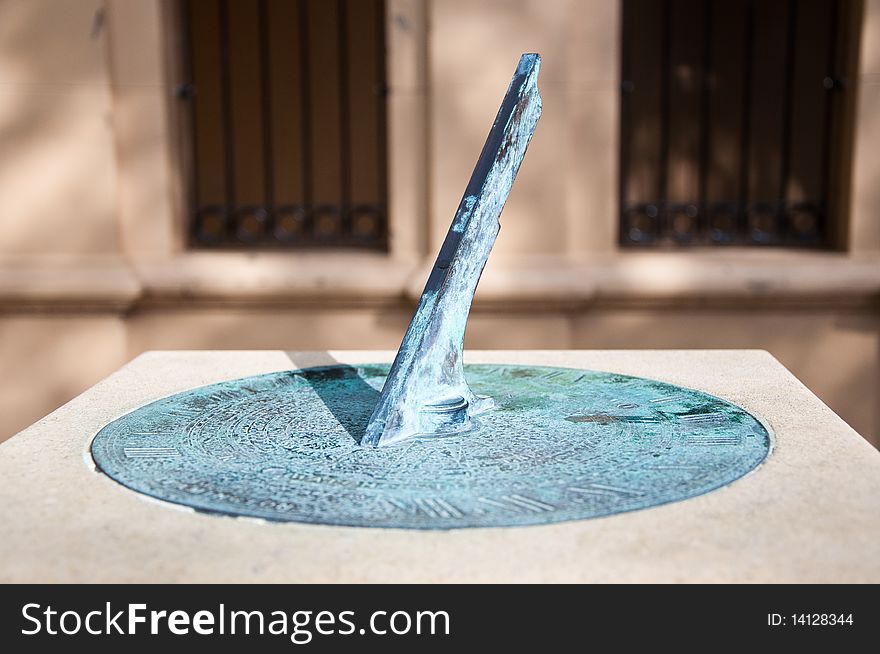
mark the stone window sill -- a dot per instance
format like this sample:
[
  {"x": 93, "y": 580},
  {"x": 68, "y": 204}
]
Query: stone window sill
[{"x": 705, "y": 278}]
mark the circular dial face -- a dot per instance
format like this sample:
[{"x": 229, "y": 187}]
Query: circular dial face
[{"x": 561, "y": 444}]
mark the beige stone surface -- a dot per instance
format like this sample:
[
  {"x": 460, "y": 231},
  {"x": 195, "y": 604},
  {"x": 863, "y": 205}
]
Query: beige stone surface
[{"x": 810, "y": 513}]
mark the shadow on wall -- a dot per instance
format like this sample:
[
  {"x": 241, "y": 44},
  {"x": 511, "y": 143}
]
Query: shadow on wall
[
  {"x": 866, "y": 172},
  {"x": 475, "y": 48},
  {"x": 57, "y": 174}
]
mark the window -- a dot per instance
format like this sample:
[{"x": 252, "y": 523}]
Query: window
[
  {"x": 732, "y": 122},
  {"x": 285, "y": 103}
]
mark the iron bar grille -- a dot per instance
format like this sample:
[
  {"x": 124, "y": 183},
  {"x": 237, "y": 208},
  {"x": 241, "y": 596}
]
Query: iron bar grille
[
  {"x": 726, "y": 121},
  {"x": 286, "y": 104}
]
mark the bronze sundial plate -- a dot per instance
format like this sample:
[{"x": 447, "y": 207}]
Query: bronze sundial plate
[{"x": 561, "y": 444}]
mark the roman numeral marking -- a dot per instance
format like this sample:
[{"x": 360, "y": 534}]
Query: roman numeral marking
[
  {"x": 449, "y": 508},
  {"x": 437, "y": 508},
  {"x": 396, "y": 503},
  {"x": 433, "y": 507},
  {"x": 151, "y": 452},
  {"x": 700, "y": 418},
  {"x": 222, "y": 396},
  {"x": 518, "y": 503},
  {"x": 486, "y": 500},
  {"x": 664, "y": 400},
  {"x": 606, "y": 490},
  {"x": 712, "y": 440},
  {"x": 529, "y": 503},
  {"x": 427, "y": 507}
]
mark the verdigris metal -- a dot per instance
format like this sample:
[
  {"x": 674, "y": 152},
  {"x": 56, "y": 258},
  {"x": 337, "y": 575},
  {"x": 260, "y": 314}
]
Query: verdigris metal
[
  {"x": 426, "y": 391},
  {"x": 561, "y": 444}
]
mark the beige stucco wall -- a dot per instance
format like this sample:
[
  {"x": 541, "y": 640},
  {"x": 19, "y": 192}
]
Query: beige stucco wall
[
  {"x": 564, "y": 200},
  {"x": 57, "y": 172},
  {"x": 93, "y": 271},
  {"x": 47, "y": 360},
  {"x": 865, "y": 232}
]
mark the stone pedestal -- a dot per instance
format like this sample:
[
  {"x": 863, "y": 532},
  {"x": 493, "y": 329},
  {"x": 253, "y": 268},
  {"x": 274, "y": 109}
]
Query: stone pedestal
[{"x": 810, "y": 513}]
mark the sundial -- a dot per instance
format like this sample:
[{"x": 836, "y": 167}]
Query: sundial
[{"x": 429, "y": 442}]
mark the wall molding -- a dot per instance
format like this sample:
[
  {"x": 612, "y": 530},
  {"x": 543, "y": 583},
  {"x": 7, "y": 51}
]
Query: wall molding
[{"x": 711, "y": 279}]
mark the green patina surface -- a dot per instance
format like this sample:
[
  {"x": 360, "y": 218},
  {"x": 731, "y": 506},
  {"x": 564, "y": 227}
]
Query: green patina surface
[{"x": 562, "y": 444}]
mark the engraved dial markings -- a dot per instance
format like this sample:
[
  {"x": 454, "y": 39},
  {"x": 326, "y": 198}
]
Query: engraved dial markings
[{"x": 563, "y": 444}]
